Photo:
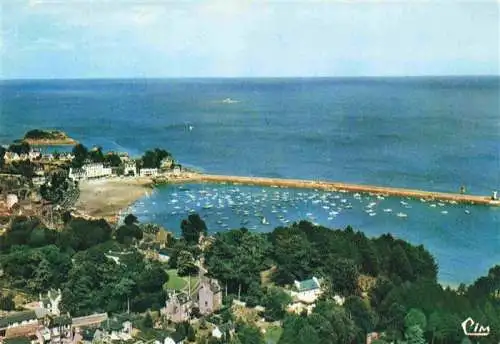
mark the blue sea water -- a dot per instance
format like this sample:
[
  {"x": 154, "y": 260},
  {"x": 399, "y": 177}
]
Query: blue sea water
[{"x": 430, "y": 133}]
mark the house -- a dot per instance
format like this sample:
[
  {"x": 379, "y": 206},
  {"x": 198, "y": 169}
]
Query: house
[
  {"x": 209, "y": 296},
  {"x": 177, "y": 169},
  {"x": 166, "y": 163},
  {"x": 66, "y": 156},
  {"x": 50, "y": 303},
  {"x": 216, "y": 333},
  {"x": 48, "y": 157},
  {"x": 19, "y": 324},
  {"x": 39, "y": 171},
  {"x": 56, "y": 330},
  {"x": 11, "y": 156},
  {"x": 175, "y": 338},
  {"x": 223, "y": 330},
  {"x": 163, "y": 237},
  {"x": 96, "y": 170},
  {"x": 124, "y": 157},
  {"x": 339, "y": 300},
  {"x": 34, "y": 155},
  {"x": 372, "y": 336},
  {"x": 129, "y": 168},
  {"x": 11, "y": 200},
  {"x": 307, "y": 291},
  {"x": 89, "y": 320},
  {"x": 148, "y": 172},
  {"x": 38, "y": 181},
  {"x": 76, "y": 173},
  {"x": 177, "y": 307},
  {"x": 91, "y": 170},
  {"x": 119, "y": 331}
]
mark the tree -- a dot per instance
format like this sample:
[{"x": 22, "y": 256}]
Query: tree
[
  {"x": 369, "y": 260},
  {"x": 54, "y": 191},
  {"x": 35, "y": 269},
  {"x": 2, "y": 156},
  {"x": 126, "y": 233},
  {"x": 400, "y": 265},
  {"x": 81, "y": 234},
  {"x": 344, "y": 276},
  {"x": 112, "y": 159},
  {"x": 191, "y": 334},
  {"x": 147, "y": 322},
  {"x": 292, "y": 253},
  {"x": 96, "y": 154},
  {"x": 362, "y": 315},
  {"x": 123, "y": 289},
  {"x": 394, "y": 319},
  {"x": 236, "y": 258},
  {"x": 153, "y": 159},
  {"x": 341, "y": 324},
  {"x": 248, "y": 334},
  {"x": 414, "y": 335},
  {"x": 20, "y": 148},
  {"x": 80, "y": 153},
  {"x": 275, "y": 301},
  {"x": 185, "y": 264},
  {"x": 7, "y": 302},
  {"x": 130, "y": 219},
  {"x": 24, "y": 168},
  {"x": 415, "y": 317},
  {"x": 192, "y": 228}
]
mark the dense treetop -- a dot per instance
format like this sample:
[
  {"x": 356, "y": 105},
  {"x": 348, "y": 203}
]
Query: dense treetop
[
  {"x": 38, "y": 134},
  {"x": 405, "y": 303}
]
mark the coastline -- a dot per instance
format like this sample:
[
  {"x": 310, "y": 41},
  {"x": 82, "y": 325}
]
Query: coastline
[{"x": 105, "y": 198}]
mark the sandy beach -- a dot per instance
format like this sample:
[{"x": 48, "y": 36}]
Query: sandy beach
[{"x": 104, "y": 198}]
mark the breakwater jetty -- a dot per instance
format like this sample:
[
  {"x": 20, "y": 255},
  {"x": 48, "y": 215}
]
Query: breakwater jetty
[{"x": 342, "y": 187}]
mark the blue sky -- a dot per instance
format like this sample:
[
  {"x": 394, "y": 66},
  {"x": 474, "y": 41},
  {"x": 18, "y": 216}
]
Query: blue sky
[{"x": 153, "y": 38}]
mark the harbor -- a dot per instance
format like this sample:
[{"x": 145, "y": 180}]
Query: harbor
[{"x": 338, "y": 186}]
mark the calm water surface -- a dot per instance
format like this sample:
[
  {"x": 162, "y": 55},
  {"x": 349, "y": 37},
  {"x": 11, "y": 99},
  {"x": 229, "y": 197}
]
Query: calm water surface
[{"x": 429, "y": 133}]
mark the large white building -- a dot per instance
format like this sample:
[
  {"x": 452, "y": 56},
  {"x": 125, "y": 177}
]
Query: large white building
[
  {"x": 94, "y": 170},
  {"x": 129, "y": 168},
  {"x": 148, "y": 172}
]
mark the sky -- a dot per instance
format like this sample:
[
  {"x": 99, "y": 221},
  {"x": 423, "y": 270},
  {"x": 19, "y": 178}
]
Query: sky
[{"x": 237, "y": 38}]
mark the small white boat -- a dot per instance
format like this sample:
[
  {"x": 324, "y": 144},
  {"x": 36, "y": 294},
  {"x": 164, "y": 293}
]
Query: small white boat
[
  {"x": 229, "y": 101},
  {"x": 444, "y": 212},
  {"x": 401, "y": 215},
  {"x": 467, "y": 211},
  {"x": 387, "y": 210}
]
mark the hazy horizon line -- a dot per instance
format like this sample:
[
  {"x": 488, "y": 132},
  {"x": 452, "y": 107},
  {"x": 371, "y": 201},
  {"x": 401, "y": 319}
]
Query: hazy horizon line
[{"x": 254, "y": 77}]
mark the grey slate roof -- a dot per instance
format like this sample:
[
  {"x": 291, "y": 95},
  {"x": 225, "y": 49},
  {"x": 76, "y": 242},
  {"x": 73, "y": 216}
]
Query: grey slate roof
[{"x": 17, "y": 318}]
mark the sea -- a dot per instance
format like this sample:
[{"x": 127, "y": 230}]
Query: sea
[{"x": 431, "y": 133}]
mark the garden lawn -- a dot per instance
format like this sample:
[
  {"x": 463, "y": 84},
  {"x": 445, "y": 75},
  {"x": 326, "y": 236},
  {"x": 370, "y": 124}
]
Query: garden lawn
[{"x": 175, "y": 282}]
